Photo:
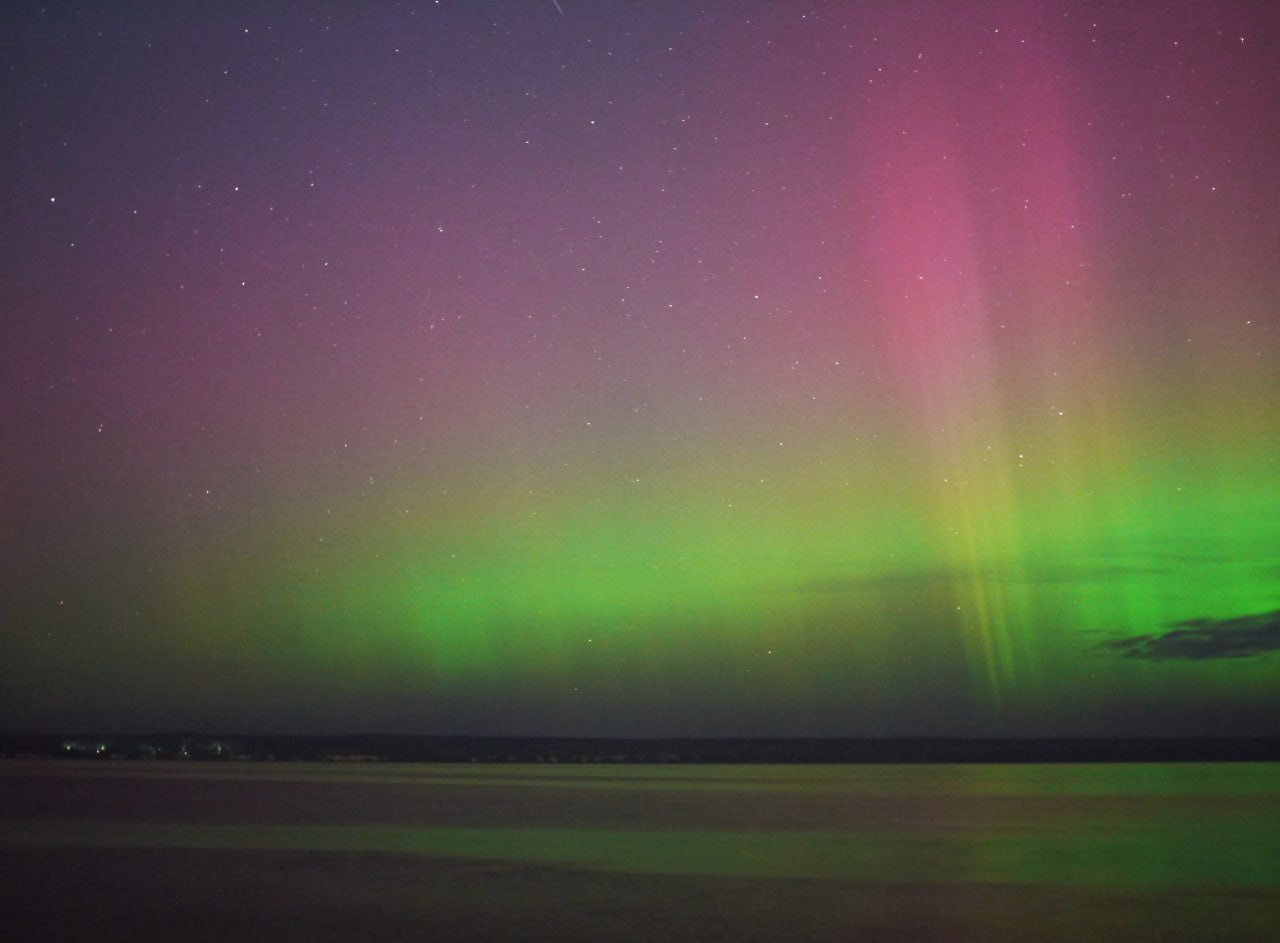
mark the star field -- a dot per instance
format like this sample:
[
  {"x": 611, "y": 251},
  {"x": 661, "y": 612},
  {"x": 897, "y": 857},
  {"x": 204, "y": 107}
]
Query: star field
[{"x": 735, "y": 368}]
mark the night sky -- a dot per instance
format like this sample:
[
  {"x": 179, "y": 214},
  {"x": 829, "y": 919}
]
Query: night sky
[{"x": 641, "y": 368}]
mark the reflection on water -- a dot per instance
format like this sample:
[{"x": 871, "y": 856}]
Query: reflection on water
[{"x": 1078, "y": 825}]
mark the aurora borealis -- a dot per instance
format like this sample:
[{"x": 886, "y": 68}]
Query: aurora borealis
[{"x": 733, "y": 368}]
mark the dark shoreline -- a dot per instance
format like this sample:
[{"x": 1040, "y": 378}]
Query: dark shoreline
[{"x": 409, "y": 748}]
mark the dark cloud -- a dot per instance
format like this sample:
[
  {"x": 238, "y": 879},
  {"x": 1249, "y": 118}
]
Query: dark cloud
[
  {"x": 1203, "y": 639},
  {"x": 913, "y": 579}
]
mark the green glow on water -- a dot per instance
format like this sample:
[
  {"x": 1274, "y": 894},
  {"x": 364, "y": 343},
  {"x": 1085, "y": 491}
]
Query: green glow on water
[
  {"x": 1122, "y": 825},
  {"x": 1231, "y": 853}
]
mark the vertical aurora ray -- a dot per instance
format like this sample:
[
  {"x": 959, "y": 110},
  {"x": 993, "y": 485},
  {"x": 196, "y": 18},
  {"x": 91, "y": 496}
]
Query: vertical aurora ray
[
  {"x": 935, "y": 298},
  {"x": 1008, "y": 347}
]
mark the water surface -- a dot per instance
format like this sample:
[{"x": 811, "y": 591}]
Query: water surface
[{"x": 1126, "y": 849}]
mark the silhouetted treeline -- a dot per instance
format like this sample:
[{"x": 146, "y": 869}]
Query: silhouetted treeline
[{"x": 402, "y": 748}]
